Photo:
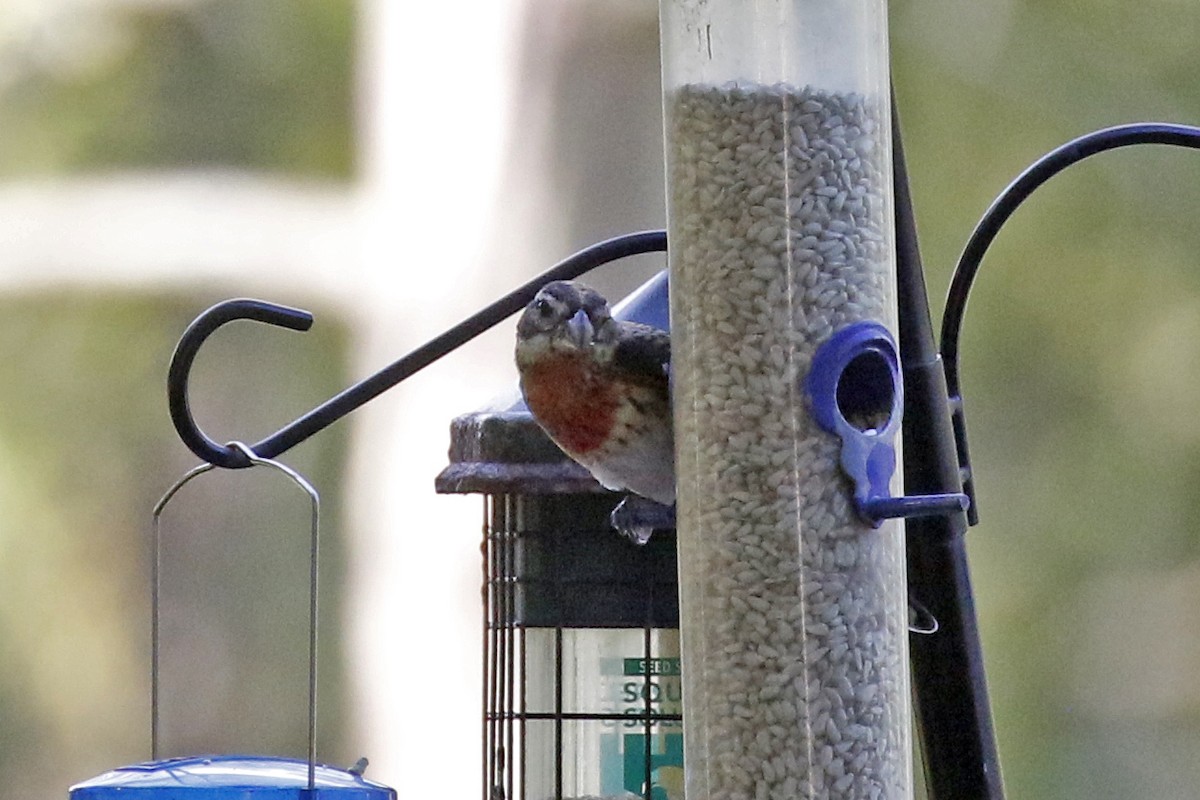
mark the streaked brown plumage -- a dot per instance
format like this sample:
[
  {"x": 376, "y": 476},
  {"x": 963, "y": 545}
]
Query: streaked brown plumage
[{"x": 599, "y": 388}]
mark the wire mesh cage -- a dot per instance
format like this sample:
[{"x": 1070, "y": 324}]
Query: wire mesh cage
[{"x": 582, "y": 679}]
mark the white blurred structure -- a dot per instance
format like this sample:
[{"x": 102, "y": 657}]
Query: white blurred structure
[
  {"x": 495, "y": 143},
  {"x": 470, "y": 184},
  {"x": 435, "y": 88},
  {"x": 400, "y": 253}
]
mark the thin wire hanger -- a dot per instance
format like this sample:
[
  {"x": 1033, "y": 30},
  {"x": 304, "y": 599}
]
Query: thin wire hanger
[{"x": 254, "y": 460}]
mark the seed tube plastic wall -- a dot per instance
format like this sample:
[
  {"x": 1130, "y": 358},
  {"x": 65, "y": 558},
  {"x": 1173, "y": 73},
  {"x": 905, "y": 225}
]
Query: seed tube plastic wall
[{"x": 793, "y": 610}]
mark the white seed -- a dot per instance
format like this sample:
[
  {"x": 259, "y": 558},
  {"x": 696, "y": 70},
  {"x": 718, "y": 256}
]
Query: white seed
[{"x": 796, "y": 613}]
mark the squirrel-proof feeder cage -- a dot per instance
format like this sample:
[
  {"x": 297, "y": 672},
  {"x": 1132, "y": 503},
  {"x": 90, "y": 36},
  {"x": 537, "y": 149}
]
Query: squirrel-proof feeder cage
[
  {"x": 581, "y": 686},
  {"x": 582, "y": 681}
]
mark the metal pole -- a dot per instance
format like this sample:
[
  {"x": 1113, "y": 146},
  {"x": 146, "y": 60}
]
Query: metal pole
[{"x": 953, "y": 716}]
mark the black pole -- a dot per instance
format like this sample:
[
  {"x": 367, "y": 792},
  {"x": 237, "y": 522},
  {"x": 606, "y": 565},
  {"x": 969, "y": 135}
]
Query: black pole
[{"x": 954, "y": 721}]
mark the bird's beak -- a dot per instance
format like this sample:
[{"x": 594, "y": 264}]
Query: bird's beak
[{"x": 580, "y": 330}]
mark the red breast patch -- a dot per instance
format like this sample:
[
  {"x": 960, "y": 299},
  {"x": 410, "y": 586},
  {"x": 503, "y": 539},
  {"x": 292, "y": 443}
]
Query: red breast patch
[{"x": 572, "y": 400}]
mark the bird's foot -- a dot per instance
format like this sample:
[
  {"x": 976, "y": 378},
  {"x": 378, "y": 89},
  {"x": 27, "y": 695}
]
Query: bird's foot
[
  {"x": 637, "y": 518},
  {"x": 920, "y": 619}
]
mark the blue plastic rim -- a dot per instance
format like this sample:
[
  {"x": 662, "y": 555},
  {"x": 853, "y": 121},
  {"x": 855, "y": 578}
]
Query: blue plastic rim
[
  {"x": 856, "y": 372},
  {"x": 228, "y": 777},
  {"x": 856, "y": 393}
]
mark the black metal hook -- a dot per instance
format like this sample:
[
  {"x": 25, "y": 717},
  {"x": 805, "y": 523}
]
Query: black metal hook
[
  {"x": 993, "y": 220},
  {"x": 363, "y": 392}
]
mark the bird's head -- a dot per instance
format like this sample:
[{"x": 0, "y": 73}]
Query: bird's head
[{"x": 563, "y": 317}]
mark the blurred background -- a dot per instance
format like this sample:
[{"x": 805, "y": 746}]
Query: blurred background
[{"x": 392, "y": 167}]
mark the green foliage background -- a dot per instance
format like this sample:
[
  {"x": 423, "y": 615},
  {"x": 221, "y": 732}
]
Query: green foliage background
[
  {"x": 1079, "y": 374},
  {"x": 1080, "y": 368},
  {"x": 263, "y": 85},
  {"x": 86, "y": 447}
]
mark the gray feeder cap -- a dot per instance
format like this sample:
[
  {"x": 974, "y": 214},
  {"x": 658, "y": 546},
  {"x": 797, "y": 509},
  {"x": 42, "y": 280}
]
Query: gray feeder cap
[{"x": 503, "y": 451}]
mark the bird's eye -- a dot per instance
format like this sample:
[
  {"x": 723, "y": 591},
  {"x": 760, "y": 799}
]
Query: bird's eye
[{"x": 542, "y": 307}]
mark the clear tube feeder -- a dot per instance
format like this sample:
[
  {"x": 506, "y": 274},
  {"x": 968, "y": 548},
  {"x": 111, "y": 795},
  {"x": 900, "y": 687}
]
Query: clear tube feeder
[{"x": 793, "y": 605}]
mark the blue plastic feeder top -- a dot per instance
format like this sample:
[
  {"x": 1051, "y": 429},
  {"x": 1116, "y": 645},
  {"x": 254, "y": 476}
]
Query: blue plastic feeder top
[{"x": 228, "y": 777}]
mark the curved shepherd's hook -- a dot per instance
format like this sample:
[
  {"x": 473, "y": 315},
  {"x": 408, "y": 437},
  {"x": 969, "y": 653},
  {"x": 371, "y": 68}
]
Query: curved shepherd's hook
[
  {"x": 993, "y": 220},
  {"x": 361, "y": 393}
]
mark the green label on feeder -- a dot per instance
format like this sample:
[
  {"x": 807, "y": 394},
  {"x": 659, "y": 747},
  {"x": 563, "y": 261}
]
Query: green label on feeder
[
  {"x": 652, "y": 666},
  {"x": 664, "y": 767},
  {"x": 627, "y": 762},
  {"x": 640, "y": 756}
]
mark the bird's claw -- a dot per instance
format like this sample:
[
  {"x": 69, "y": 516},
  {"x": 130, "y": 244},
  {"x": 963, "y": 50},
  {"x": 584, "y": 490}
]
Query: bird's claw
[
  {"x": 920, "y": 619},
  {"x": 637, "y": 518}
]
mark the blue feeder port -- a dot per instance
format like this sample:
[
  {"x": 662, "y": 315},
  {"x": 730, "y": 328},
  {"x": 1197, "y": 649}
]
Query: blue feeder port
[{"x": 856, "y": 392}]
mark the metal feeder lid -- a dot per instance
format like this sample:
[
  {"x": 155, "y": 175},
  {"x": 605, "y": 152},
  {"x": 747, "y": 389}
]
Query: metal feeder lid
[
  {"x": 228, "y": 777},
  {"x": 502, "y": 450}
]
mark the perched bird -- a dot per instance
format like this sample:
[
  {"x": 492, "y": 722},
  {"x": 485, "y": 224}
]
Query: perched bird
[{"x": 599, "y": 387}]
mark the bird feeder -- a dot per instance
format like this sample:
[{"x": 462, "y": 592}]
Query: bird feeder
[
  {"x": 582, "y": 683},
  {"x": 788, "y": 398},
  {"x": 234, "y": 777}
]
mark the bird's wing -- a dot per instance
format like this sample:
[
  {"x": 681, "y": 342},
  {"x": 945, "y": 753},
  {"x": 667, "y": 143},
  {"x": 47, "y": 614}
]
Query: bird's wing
[{"x": 643, "y": 350}]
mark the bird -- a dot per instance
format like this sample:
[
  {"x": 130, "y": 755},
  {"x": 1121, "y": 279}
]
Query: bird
[{"x": 600, "y": 389}]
